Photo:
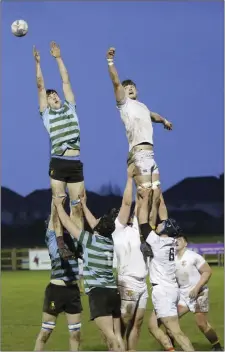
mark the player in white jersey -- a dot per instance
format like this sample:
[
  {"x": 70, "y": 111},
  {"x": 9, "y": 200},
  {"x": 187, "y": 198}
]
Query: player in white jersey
[
  {"x": 193, "y": 273},
  {"x": 137, "y": 119},
  {"x": 132, "y": 271},
  {"x": 162, "y": 268}
]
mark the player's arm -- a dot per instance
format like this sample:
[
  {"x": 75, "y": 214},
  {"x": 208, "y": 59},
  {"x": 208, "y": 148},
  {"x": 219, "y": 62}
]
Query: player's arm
[
  {"x": 91, "y": 219},
  {"x": 159, "y": 119},
  {"x": 124, "y": 212},
  {"x": 205, "y": 271},
  {"x": 118, "y": 88},
  {"x": 43, "y": 104},
  {"x": 67, "y": 90},
  {"x": 64, "y": 218}
]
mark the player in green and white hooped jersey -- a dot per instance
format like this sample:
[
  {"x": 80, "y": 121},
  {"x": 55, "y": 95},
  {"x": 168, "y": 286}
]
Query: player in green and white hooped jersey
[
  {"x": 100, "y": 285},
  {"x": 61, "y": 121}
]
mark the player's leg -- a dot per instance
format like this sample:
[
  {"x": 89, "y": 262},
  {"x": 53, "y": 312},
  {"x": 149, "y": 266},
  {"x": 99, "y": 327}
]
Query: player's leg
[
  {"x": 200, "y": 310},
  {"x": 73, "y": 309},
  {"x": 76, "y": 213},
  {"x": 165, "y": 300},
  {"x": 117, "y": 332},
  {"x": 135, "y": 328},
  {"x": 48, "y": 325},
  {"x": 162, "y": 211},
  {"x": 105, "y": 325},
  {"x": 51, "y": 308},
  {"x": 101, "y": 313},
  {"x": 172, "y": 325},
  {"x": 159, "y": 334}
]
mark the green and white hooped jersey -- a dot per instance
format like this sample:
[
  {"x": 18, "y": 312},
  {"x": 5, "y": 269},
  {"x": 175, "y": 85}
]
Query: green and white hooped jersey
[
  {"x": 98, "y": 261},
  {"x": 63, "y": 128}
]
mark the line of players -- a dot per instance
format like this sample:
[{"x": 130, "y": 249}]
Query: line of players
[{"x": 116, "y": 232}]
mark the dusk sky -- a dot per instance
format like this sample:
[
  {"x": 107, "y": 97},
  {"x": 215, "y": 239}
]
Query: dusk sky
[{"x": 172, "y": 50}]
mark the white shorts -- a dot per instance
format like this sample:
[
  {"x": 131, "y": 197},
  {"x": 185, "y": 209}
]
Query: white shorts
[
  {"x": 144, "y": 161},
  {"x": 165, "y": 300},
  {"x": 200, "y": 304},
  {"x": 133, "y": 293}
]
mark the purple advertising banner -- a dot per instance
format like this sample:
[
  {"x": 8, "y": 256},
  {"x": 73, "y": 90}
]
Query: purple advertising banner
[{"x": 207, "y": 248}]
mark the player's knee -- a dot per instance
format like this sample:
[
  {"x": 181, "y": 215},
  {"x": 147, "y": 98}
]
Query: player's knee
[
  {"x": 74, "y": 330},
  {"x": 46, "y": 330}
]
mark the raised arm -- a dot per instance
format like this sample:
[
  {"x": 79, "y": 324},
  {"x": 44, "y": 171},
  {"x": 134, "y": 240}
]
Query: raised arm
[
  {"x": 124, "y": 212},
  {"x": 67, "y": 90},
  {"x": 92, "y": 221},
  {"x": 40, "y": 82},
  {"x": 159, "y": 119},
  {"x": 65, "y": 219},
  {"x": 118, "y": 88}
]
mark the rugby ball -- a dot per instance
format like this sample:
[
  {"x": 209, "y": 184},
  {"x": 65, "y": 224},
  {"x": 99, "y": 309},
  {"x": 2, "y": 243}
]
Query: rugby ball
[{"x": 19, "y": 28}]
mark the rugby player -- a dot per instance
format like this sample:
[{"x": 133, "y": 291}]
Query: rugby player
[
  {"x": 132, "y": 271},
  {"x": 162, "y": 268},
  {"x": 138, "y": 124},
  {"x": 81, "y": 279},
  {"x": 99, "y": 281},
  {"x": 193, "y": 273},
  {"x": 61, "y": 122},
  {"x": 62, "y": 293}
]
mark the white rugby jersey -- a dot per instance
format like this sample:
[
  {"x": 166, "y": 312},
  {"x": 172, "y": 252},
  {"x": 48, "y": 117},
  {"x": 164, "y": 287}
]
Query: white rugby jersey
[
  {"x": 162, "y": 266},
  {"x": 137, "y": 120},
  {"x": 187, "y": 269},
  {"x": 127, "y": 243}
]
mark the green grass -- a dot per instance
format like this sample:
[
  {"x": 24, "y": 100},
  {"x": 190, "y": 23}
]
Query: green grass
[{"x": 22, "y": 298}]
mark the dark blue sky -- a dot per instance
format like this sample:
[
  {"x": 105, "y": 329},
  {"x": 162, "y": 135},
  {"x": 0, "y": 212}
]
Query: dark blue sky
[{"x": 172, "y": 50}]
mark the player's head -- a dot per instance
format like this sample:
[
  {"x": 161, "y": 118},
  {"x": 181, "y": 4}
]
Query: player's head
[
  {"x": 53, "y": 99},
  {"x": 106, "y": 224},
  {"x": 168, "y": 228},
  {"x": 130, "y": 89},
  {"x": 181, "y": 242}
]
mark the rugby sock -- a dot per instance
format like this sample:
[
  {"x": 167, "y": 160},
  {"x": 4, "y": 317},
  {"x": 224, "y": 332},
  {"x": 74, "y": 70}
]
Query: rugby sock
[{"x": 212, "y": 337}]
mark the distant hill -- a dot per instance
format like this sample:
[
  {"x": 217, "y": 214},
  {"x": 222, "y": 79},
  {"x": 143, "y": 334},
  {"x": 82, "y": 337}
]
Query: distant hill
[{"x": 197, "y": 203}]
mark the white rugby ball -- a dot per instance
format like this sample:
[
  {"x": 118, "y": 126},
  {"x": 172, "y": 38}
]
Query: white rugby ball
[{"x": 19, "y": 28}]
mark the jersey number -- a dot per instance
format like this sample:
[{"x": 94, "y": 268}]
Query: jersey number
[{"x": 171, "y": 254}]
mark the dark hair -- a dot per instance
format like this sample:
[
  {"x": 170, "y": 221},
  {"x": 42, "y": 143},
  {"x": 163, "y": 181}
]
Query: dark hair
[
  {"x": 50, "y": 91},
  {"x": 182, "y": 236},
  {"x": 106, "y": 225},
  {"x": 128, "y": 82}
]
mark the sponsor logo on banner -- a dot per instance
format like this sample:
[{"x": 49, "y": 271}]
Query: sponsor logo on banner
[{"x": 39, "y": 259}]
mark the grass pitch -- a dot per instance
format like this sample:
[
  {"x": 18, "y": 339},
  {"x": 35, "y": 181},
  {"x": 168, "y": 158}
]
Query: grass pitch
[{"x": 22, "y": 299}]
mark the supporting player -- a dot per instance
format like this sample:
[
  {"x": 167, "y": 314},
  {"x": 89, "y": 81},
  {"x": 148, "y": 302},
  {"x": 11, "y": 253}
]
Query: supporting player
[
  {"x": 62, "y": 293},
  {"x": 138, "y": 124},
  {"x": 61, "y": 122},
  {"x": 132, "y": 271},
  {"x": 165, "y": 292},
  {"x": 193, "y": 273},
  {"x": 99, "y": 281}
]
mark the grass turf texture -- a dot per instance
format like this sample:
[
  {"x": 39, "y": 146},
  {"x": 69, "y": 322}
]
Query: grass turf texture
[{"x": 22, "y": 299}]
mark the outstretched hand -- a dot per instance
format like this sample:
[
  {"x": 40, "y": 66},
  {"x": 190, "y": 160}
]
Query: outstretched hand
[
  {"x": 55, "y": 50},
  {"x": 168, "y": 125},
  {"x": 36, "y": 54},
  {"x": 111, "y": 53}
]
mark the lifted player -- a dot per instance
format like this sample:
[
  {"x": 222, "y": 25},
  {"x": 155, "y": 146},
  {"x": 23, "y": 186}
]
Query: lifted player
[
  {"x": 138, "y": 124},
  {"x": 61, "y": 122}
]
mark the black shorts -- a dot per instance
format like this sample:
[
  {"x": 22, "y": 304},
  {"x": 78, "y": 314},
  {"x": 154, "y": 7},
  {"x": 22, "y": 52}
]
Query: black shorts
[
  {"x": 104, "y": 302},
  {"x": 60, "y": 299},
  {"x": 69, "y": 171}
]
